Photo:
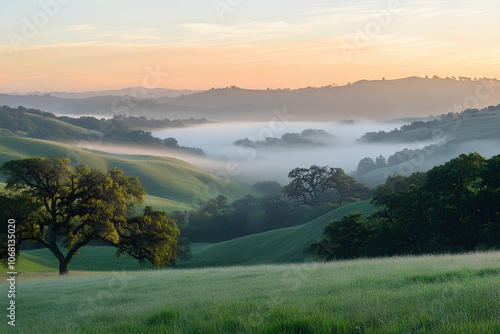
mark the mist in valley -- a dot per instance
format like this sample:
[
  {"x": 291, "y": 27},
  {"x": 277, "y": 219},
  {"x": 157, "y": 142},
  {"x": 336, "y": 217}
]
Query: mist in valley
[
  {"x": 250, "y": 164},
  {"x": 337, "y": 145}
]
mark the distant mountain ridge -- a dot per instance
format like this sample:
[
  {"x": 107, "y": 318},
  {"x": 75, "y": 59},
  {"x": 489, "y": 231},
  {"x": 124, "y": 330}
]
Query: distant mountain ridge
[
  {"x": 374, "y": 100},
  {"x": 130, "y": 91}
]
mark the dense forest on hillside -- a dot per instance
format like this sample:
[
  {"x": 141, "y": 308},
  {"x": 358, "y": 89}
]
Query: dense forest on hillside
[
  {"x": 311, "y": 193},
  {"x": 34, "y": 123},
  {"x": 454, "y": 207}
]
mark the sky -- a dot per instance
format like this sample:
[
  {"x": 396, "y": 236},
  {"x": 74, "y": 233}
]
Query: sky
[{"x": 71, "y": 45}]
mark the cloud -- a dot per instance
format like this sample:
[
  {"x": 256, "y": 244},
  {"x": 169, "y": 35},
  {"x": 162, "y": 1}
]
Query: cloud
[
  {"x": 252, "y": 31},
  {"x": 81, "y": 27}
]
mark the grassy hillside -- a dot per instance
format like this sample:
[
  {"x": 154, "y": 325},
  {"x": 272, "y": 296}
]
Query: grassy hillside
[
  {"x": 464, "y": 127},
  {"x": 278, "y": 246},
  {"x": 53, "y": 123},
  {"x": 473, "y": 128},
  {"x": 29, "y": 264},
  {"x": 175, "y": 184},
  {"x": 93, "y": 258},
  {"x": 284, "y": 245},
  {"x": 473, "y": 134},
  {"x": 427, "y": 294}
]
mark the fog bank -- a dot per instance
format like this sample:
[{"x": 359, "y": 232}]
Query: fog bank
[{"x": 274, "y": 162}]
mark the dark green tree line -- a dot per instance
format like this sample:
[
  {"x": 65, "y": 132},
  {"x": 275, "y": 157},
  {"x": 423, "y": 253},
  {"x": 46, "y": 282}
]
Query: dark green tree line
[
  {"x": 454, "y": 207},
  {"x": 312, "y": 193}
]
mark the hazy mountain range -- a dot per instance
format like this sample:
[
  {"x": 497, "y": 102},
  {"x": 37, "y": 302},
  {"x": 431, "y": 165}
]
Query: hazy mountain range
[
  {"x": 374, "y": 100},
  {"x": 131, "y": 91}
]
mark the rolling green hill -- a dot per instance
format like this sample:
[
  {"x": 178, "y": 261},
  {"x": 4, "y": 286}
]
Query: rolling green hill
[
  {"x": 435, "y": 156},
  {"x": 465, "y": 126},
  {"x": 472, "y": 134},
  {"x": 89, "y": 258},
  {"x": 171, "y": 183},
  {"x": 472, "y": 128},
  {"x": 55, "y": 123},
  {"x": 30, "y": 264},
  {"x": 284, "y": 245}
]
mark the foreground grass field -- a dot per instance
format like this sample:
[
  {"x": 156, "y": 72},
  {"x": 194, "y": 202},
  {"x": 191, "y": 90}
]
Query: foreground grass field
[{"x": 428, "y": 294}]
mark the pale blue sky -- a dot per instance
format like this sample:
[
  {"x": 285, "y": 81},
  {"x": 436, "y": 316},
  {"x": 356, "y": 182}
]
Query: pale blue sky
[{"x": 290, "y": 43}]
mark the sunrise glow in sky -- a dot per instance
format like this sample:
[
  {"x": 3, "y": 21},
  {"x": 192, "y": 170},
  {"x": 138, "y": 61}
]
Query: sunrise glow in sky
[{"x": 74, "y": 45}]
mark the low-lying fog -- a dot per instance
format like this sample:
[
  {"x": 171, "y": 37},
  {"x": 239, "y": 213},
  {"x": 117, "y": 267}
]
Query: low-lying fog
[{"x": 275, "y": 161}]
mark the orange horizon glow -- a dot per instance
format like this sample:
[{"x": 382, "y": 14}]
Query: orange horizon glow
[{"x": 312, "y": 48}]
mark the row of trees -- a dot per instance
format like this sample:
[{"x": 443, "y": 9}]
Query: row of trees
[
  {"x": 43, "y": 125},
  {"x": 463, "y": 78},
  {"x": 373, "y": 137},
  {"x": 312, "y": 192},
  {"x": 367, "y": 164},
  {"x": 451, "y": 208},
  {"x": 306, "y": 137},
  {"x": 143, "y": 122},
  {"x": 217, "y": 220}
]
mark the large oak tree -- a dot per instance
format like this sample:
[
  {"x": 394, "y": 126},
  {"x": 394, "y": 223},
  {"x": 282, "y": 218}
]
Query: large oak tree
[
  {"x": 64, "y": 209},
  {"x": 308, "y": 185}
]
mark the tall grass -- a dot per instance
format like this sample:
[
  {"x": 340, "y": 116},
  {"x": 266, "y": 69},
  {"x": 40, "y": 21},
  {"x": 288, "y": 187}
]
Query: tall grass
[{"x": 426, "y": 294}]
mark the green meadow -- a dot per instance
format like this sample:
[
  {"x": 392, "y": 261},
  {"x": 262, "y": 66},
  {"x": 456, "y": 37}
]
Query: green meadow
[
  {"x": 105, "y": 294},
  {"x": 425, "y": 294}
]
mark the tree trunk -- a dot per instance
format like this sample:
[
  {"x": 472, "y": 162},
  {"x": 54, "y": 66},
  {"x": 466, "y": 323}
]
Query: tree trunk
[{"x": 63, "y": 267}]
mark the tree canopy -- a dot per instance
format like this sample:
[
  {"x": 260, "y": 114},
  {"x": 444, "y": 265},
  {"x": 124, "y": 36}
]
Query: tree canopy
[
  {"x": 64, "y": 208},
  {"x": 454, "y": 207},
  {"x": 309, "y": 185}
]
